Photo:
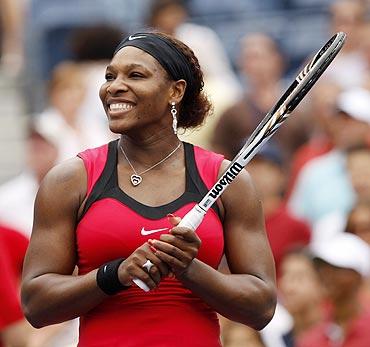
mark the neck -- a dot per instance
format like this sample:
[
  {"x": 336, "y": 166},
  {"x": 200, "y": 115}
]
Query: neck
[
  {"x": 149, "y": 150},
  {"x": 346, "y": 310},
  {"x": 271, "y": 204},
  {"x": 306, "y": 318}
]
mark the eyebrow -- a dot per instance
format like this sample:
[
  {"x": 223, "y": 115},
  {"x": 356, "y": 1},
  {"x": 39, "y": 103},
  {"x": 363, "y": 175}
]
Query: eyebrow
[{"x": 130, "y": 67}]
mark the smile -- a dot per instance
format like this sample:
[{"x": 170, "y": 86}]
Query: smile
[{"x": 120, "y": 107}]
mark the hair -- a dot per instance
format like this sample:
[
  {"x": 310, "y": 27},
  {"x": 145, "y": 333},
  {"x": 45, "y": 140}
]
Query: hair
[
  {"x": 64, "y": 75},
  {"x": 94, "y": 43},
  {"x": 195, "y": 105},
  {"x": 159, "y": 6}
]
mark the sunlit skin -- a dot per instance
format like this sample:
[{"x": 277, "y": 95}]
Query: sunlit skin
[
  {"x": 358, "y": 166},
  {"x": 301, "y": 291},
  {"x": 137, "y": 97},
  {"x": 137, "y": 79},
  {"x": 341, "y": 288},
  {"x": 359, "y": 221}
]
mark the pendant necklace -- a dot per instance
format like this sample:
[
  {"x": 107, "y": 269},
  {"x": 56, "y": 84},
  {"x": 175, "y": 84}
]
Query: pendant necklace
[{"x": 136, "y": 177}]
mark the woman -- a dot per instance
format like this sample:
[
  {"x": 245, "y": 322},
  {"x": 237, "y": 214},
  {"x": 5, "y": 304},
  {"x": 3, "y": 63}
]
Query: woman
[{"x": 123, "y": 203}]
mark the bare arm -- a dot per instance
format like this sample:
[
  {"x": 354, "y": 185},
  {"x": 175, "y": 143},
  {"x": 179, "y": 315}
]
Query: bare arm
[
  {"x": 50, "y": 292},
  {"x": 247, "y": 295}
]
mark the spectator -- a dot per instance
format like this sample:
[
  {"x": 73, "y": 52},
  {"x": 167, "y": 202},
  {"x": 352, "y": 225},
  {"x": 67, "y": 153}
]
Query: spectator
[
  {"x": 284, "y": 231},
  {"x": 358, "y": 166},
  {"x": 61, "y": 121},
  {"x": 18, "y": 194},
  {"x": 92, "y": 47},
  {"x": 348, "y": 69},
  {"x": 323, "y": 186},
  {"x": 262, "y": 65},
  {"x": 14, "y": 330},
  {"x": 239, "y": 335},
  {"x": 343, "y": 264},
  {"x": 321, "y": 107},
  {"x": 11, "y": 36},
  {"x": 358, "y": 171},
  {"x": 301, "y": 292},
  {"x": 358, "y": 221}
]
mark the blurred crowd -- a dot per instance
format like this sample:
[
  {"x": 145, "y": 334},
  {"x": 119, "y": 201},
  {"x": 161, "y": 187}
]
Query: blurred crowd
[{"x": 313, "y": 176}]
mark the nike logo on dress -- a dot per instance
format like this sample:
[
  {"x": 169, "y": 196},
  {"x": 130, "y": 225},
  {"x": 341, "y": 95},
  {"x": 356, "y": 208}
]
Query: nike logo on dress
[
  {"x": 148, "y": 232},
  {"x": 130, "y": 38}
]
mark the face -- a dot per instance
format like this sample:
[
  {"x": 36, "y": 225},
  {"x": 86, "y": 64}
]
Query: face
[
  {"x": 359, "y": 222},
  {"x": 68, "y": 99},
  {"x": 323, "y": 99},
  {"x": 358, "y": 166},
  {"x": 347, "y": 16},
  {"x": 299, "y": 284},
  {"x": 348, "y": 132},
  {"x": 41, "y": 156},
  {"x": 268, "y": 177},
  {"x": 340, "y": 284},
  {"x": 260, "y": 60},
  {"x": 137, "y": 93}
]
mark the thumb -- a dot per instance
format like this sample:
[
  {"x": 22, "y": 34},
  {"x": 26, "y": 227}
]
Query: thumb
[{"x": 174, "y": 220}]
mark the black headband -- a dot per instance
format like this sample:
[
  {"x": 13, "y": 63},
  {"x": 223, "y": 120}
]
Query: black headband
[{"x": 171, "y": 59}]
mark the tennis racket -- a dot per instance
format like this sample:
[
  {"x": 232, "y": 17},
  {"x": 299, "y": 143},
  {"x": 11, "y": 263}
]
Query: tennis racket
[{"x": 267, "y": 127}]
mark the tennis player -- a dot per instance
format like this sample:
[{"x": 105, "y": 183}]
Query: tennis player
[{"x": 112, "y": 209}]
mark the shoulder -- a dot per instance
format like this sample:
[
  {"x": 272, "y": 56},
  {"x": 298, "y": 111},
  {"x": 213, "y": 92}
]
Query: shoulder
[
  {"x": 205, "y": 154},
  {"x": 65, "y": 179},
  {"x": 94, "y": 154},
  {"x": 242, "y": 190}
]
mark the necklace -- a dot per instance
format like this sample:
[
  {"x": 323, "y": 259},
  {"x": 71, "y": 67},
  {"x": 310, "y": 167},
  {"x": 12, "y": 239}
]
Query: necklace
[{"x": 136, "y": 176}]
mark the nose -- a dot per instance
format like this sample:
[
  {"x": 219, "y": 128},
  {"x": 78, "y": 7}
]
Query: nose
[{"x": 117, "y": 86}]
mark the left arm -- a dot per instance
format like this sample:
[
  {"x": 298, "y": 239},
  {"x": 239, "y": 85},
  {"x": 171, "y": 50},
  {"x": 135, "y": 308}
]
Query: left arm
[{"x": 247, "y": 295}]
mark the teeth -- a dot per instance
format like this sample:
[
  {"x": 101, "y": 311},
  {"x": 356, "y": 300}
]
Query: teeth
[{"x": 120, "y": 107}]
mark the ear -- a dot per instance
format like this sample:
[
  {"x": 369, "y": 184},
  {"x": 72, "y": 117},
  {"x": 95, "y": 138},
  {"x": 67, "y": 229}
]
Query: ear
[{"x": 177, "y": 91}]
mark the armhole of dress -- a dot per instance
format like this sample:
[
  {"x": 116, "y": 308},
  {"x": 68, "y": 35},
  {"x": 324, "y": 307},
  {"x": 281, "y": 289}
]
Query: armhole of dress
[
  {"x": 99, "y": 186},
  {"x": 196, "y": 175}
]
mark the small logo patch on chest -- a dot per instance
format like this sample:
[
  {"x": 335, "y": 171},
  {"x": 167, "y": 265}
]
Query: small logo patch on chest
[{"x": 145, "y": 232}]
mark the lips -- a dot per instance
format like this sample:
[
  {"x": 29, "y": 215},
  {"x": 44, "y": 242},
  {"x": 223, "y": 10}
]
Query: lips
[
  {"x": 121, "y": 106},
  {"x": 115, "y": 107}
]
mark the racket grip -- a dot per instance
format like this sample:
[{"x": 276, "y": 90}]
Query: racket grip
[
  {"x": 193, "y": 218},
  {"x": 141, "y": 284}
]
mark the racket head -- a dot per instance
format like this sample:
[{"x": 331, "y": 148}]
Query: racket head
[
  {"x": 317, "y": 65},
  {"x": 277, "y": 115},
  {"x": 302, "y": 84}
]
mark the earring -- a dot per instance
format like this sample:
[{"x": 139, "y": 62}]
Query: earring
[{"x": 174, "y": 118}]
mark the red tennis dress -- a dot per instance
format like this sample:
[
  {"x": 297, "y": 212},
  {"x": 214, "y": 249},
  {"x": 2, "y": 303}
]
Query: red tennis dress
[{"x": 112, "y": 227}]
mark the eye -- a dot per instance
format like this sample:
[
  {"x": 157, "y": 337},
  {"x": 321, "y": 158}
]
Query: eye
[
  {"x": 136, "y": 74},
  {"x": 109, "y": 76}
]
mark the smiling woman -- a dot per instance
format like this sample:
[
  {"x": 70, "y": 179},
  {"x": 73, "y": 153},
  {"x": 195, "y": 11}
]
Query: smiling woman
[{"x": 112, "y": 211}]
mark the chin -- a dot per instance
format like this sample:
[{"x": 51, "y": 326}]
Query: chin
[{"x": 117, "y": 127}]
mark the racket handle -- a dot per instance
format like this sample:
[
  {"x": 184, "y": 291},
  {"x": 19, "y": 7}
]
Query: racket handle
[
  {"x": 148, "y": 265},
  {"x": 141, "y": 284},
  {"x": 193, "y": 218}
]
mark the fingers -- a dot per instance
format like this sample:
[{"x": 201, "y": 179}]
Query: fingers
[
  {"x": 176, "y": 252},
  {"x": 173, "y": 256},
  {"x": 187, "y": 234},
  {"x": 174, "y": 220},
  {"x": 132, "y": 267}
]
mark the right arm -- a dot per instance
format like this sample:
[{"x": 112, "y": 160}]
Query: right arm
[{"x": 50, "y": 292}]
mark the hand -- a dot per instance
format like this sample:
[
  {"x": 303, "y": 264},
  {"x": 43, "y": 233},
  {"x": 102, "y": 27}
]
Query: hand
[
  {"x": 178, "y": 248},
  {"x": 132, "y": 267}
]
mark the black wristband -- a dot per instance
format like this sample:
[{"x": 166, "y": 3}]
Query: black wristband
[{"x": 107, "y": 277}]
